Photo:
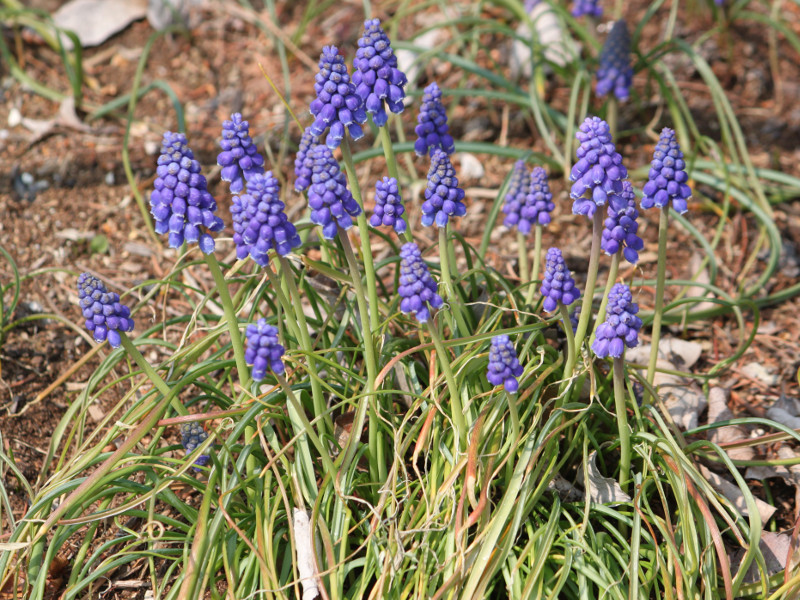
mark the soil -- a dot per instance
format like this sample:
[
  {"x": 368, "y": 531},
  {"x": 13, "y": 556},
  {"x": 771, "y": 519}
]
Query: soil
[{"x": 67, "y": 207}]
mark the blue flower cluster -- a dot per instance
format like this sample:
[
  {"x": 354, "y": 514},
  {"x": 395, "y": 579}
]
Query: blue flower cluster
[
  {"x": 667, "y": 178},
  {"x": 516, "y": 195},
  {"x": 192, "y": 435},
  {"x": 180, "y": 203},
  {"x": 332, "y": 205},
  {"x": 239, "y": 158},
  {"x": 263, "y": 349},
  {"x": 417, "y": 288},
  {"x": 620, "y": 227},
  {"x": 377, "y": 79},
  {"x": 591, "y": 8},
  {"x": 443, "y": 197},
  {"x": 105, "y": 316},
  {"x": 599, "y": 172},
  {"x": 539, "y": 201},
  {"x": 557, "y": 285},
  {"x": 337, "y": 105},
  {"x": 303, "y": 161},
  {"x": 432, "y": 129},
  {"x": 615, "y": 71},
  {"x": 621, "y": 327},
  {"x": 504, "y": 367},
  {"x": 389, "y": 207}
]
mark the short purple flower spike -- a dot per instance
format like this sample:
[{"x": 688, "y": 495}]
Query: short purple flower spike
[
  {"x": 621, "y": 327},
  {"x": 539, "y": 201},
  {"x": 599, "y": 172},
  {"x": 620, "y": 227},
  {"x": 192, "y": 435},
  {"x": 432, "y": 130},
  {"x": 417, "y": 288},
  {"x": 377, "y": 79},
  {"x": 105, "y": 316},
  {"x": 180, "y": 203},
  {"x": 504, "y": 367},
  {"x": 303, "y": 161},
  {"x": 332, "y": 205},
  {"x": 615, "y": 71},
  {"x": 590, "y": 8},
  {"x": 443, "y": 197},
  {"x": 259, "y": 221},
  {"x": 263, "y": 349},
  {"x": 515, "y": 197},
  {"x": 337, "y": 105},
  {"x": 667, "y": 179},
  {"x": 389, "y": 207},
  {"x": 557, "y": 285},
  {"x": 239, "y": 158}
]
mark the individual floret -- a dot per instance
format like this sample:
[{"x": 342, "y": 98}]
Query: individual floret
[
  {"x": 620, "y": 227},
  {"x": 303, "y": 161},
  {"x": 621, "y": 327},
  {"x": 239, "y": 159},
  {"x": 443, "y": 197},
  {"x": 263, "y": 349},
  {"x": 667, "y": 178},
  {"x": 105, "y": 315},
  {"x": 557, "y": 285},
  {"x": 590, "y": 8},
  {"x": 432, "y": 129},
  {"x": 615, "y": 71},
  {"x": 332, "y": 205},
  {"x": 516, "y": 195},
  {"x": 389, "y": 207},
  {"x": 417, "y": 289},
  {"x": 192, "y": 435},
  {"x": 504, "y": 367}
]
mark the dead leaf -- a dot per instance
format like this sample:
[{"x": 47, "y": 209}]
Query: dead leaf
[
  {"x": 94, "y": 21},
  {"x": 163, "y": 13},
  {"x": 735, "y": 496},
  {"x": 775, "y": 548},
  {"x": 471, "y": 167},
  {"x": 718, "y": 411},
  {"x": 603, "y": 490},
  {"x": 559, "y": 48},
  {"x": 759, "y": 372},
  {"x": 697, "y": 291}
]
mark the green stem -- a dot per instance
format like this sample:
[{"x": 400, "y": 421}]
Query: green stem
[
  {"x": 447, "y": 281},
  {"x": 455, "y": 399},
  {"x": 612, "y": 276},
  {"x": 622, "y": 423},
  {"x": 512, "y": 409},
  {"x": 522, "y": 249},
  {"x": 567, "y": 325},
  {"x": 537, "y": 261},
  {"x": 285, "y": 304},
  {"x": 663, "y": 225},
  {"x": 154, "y": 377},
  {"x": 612, "y": 116}
]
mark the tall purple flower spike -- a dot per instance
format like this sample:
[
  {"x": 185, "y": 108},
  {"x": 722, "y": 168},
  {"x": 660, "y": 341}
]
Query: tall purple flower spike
[
  {"x": 615, "y": 71},
  {"x": 667, "y": 179},
  {"x": 443, "y": 197},
  {"x": 557, "y": 285},
  {"x": 417, "y": 289},
  {"x": 180, "y": 202},
  {"x": 303, "y": 161},
  {"x": 389, "y": 207},
  {"x": 621, "y": 327},
  {"x": 504, "y": 367},
  {"x": 332, "y": 205},
  {"x": 263, "y": 349},
  {"x": 432, "y": 129},
  {"x": 239, "y": 158},
  {"x": 105, "y": 316},
  {"x": 620, "y": 227},
  {"x": 516, "y": 195},
  {"x": 599, "y": 172},
  {"x": 337, "y": 104},
  {"x": 377, "y": 79},
  {"x": 591, "y": 8}
]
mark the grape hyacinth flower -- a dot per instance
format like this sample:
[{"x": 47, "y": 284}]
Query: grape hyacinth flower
[
  {"x": 260, "y": 223},
  {"x": 599, "y": 172},
  {"x": 263, "y": 349},
  {"x": 337, "y": 105},
  {"x": 417, "y": 289},
  {"x": 504, "y": 367},
  {"x": 432, "y": 129},
  {"x": 620, "y": 227},
  {"x": 180, "y": 203},
  {"x": 667, "y": 178},
  {"x": 105, "y": 316},
  {"x": 332, "y": 205},
  {"x": 515, "y": 198},
  {"x": 377, "y": 79},
  {"x": 443, "y": 197},
  {"x": 539, "y": 201},
  {"x": 615, "y": 71},
  {"x": 621, "y": 327},
  {"x": 239, "y": 159},
  {"x": 557, "y": 285},
  {"x": 590, "y": 8},
  {"x": 303, "y": 161},
  {"x": 389, "y": 207},
  {"x": 192, "y": 435}
]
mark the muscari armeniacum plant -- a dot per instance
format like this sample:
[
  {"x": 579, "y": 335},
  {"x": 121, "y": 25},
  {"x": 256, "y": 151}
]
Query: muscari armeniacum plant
[
  {"x": 590, "y": 8},
  {"x": 389, "y": 207},
  {"x": 559, "y": 292},
  {"x": 432, "y": 129},
  {"x": 504, "y": 369},
  {"x": 239, "y": 159}
]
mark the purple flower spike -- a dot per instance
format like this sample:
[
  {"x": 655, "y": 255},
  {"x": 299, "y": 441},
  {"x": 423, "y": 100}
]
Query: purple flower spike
[
  {"x": 667, "y": 179},
  {"x": 621, "y": 327},
  {"x": 337, "y": 105},
  {"x": 515, "y": 198},
  {"x": 263, "y": 349},
  {"x": 259, "y": 223},
  {"x": 620, "y": 228},
  {"x": 377, "y": 79},
  {"x": 599, "y": 172},
  {"x": 539, "y": 201},
  {"x": 417, "y": 288},
  {"x": 557, "y": 285},
  {"x": 192, "y": 435},
  {"x": 303, "y": 161},
  {"x": 389, "y": 207},
  {"x": 105, "y": 315},
  {"x": 332, "y": 205},
  {"x": 180, "y": 203},
  {"x": 432, "y": 130},
  {"x": 615, "y": 71},
  {"x": 504, "y": 367},
  {"x": 239, "y": 158},
  {"x": 443, "y": 197},
  {"x": 591, "y": 8}
]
